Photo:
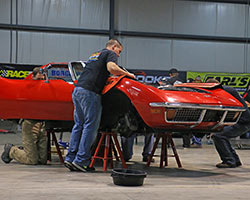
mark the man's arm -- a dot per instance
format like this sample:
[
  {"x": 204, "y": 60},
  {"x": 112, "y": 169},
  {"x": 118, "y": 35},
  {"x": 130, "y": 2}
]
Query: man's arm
[
  {"x": 248, "y": 104},
  {"x": 116, "y": 70}
]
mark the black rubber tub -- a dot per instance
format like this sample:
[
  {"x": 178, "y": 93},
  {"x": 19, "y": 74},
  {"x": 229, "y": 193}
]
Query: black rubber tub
[{"x": 128, "y": 177}]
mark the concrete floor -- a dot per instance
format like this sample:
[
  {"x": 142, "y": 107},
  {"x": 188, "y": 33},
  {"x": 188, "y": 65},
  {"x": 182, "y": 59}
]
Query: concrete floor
[{"x": 198, "y": 179}]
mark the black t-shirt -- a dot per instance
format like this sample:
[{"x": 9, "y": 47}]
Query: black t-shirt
[
  {"x": 245, "y": 117},
  {"x": 95, "y": 73}
]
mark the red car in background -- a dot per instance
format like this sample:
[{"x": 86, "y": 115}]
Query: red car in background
[{"x": 128, "y": 105}]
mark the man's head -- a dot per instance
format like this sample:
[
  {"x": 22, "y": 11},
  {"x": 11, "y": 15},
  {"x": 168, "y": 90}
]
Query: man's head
[
  {"x": 198, "y": 79},
  {"x": 173, "y": 72},
  {"x": 115, "y": 46},
  {"x": 212, "y": 80},
  {"x": 190, "y": 80},
  {"x": 37, "y": 74}
]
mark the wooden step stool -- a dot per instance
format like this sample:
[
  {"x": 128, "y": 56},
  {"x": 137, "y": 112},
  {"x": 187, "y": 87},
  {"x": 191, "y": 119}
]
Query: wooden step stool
[
  {"x": 166, "y": 140},
  {"x": 109, "y": 137}
]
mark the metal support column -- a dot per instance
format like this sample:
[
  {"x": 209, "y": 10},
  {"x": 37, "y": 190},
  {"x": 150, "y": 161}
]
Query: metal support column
[{"x": 111, "y": 19}]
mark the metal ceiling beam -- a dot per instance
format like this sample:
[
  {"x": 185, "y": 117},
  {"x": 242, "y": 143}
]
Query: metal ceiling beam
[
  {"x": 49, "y": 29},
  {"x": 113, "y": 33},
  {"x": 183, "y": 36},
  {"x": 224, "y": 1}
]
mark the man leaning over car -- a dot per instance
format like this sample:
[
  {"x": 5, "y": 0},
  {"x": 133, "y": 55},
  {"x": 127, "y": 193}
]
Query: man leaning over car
[
  {"x": 34, "y": 150},
  {"x": 87, "y": 104}
]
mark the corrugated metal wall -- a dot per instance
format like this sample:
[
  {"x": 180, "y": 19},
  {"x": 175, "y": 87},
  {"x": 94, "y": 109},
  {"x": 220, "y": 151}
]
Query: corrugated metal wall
[
  {"x": 42, "y": 47},
  {"x": 157, "y": 16},
  {"x": 185, "y": 17}
]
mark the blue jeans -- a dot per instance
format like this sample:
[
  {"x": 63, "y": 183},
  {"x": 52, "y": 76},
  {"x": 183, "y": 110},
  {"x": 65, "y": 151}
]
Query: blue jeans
[
  {"x": 127, "y": 145},
  {"x": 87, "y": 116},
  {"x": 148, "y": 145},
  {"x": 222, "y": 143}
]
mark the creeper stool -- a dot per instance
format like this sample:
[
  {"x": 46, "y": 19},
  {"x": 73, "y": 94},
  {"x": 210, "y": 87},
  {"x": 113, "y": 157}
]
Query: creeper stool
[
  {"x": 166, "y": 140},
  {"x": 108, "y": 143}
]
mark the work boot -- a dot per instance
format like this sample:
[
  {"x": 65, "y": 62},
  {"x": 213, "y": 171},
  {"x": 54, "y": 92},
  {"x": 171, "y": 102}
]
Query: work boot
[
  {"x": 6, "y": 153},
  {"x": 226, "y": 165},
  {"x": 83, "y": 168},
  {"x": 238, "y": 164},
  {"x": 70, "y": 166},
  {"x": 146, "y": 158}
]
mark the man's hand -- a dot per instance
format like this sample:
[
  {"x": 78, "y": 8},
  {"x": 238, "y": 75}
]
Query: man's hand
[{"x": 131, "y": 75}]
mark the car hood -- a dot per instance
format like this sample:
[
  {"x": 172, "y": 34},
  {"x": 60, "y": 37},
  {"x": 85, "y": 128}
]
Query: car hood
[{"x": 209, "y": 94}]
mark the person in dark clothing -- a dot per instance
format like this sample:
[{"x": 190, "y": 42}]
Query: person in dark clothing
[
  {"x": 127, "y": 147},
  {"x": 228, "y": 155},
  {"x": 174, "y": 78},
  {"x": 246, "y": 97},
  {"x": 87, "y": 104}
]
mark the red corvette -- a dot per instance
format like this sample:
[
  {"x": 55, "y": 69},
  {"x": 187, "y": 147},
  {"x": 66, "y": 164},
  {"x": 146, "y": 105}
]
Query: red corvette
[{"x": 128, "y": 105}]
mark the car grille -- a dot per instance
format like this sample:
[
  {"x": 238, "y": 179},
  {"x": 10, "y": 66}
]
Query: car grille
[
  {"x": 213, "y": 116},
  {"x": 230, "y": 117},
  {"x": 180, "y": 115},
  {"x": 187, "y": 115}
]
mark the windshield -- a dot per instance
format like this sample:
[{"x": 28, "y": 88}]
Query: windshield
[
  {"x": 77, "y": 68},
  {"x": 59, "y": 72}
]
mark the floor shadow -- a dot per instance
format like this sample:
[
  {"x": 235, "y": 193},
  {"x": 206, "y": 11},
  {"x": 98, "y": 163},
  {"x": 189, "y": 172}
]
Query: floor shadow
[{"x": 169, "y": 171}]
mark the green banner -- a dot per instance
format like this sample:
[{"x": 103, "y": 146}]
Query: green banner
[{"x": 238, "y": 80}]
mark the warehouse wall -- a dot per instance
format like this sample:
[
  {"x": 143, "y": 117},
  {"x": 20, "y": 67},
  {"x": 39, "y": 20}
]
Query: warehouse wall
[
  {"x": 185, "y": 17},
  {"x": 225, "y": 20},
  {"x": 43, "y": 47}
]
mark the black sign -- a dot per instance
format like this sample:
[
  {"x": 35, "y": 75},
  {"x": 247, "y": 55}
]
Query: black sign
[{"x": 15, "y": 71}]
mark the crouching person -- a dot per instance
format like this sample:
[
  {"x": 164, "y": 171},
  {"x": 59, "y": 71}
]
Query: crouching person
[
  {"x": 227, "y": 153},
  {"x": 34, "y": 149}
]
